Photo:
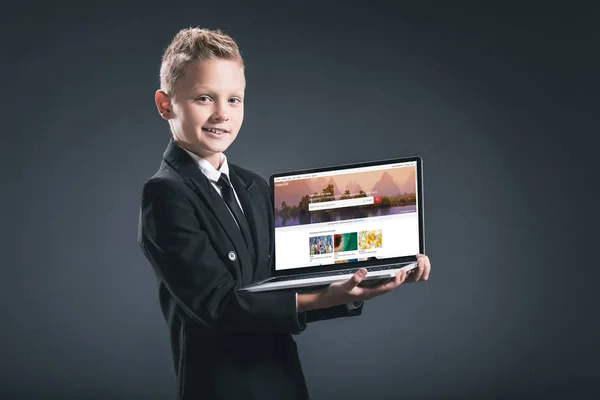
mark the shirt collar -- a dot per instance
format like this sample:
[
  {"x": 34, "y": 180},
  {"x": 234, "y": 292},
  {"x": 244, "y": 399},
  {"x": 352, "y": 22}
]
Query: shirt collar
[{"x": 207, "y": 168}]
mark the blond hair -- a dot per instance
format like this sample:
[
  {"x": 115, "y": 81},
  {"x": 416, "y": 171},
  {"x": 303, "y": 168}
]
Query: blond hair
[{"x": 194, "y": 44}]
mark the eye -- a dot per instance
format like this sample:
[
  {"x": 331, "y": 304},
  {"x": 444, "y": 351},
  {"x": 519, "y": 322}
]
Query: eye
[
  {"x": 203, "y": 99},
  {"x": 235, "y": 100}
]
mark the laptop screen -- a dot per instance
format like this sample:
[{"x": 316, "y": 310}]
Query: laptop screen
[{"x": 346, "y": 215}]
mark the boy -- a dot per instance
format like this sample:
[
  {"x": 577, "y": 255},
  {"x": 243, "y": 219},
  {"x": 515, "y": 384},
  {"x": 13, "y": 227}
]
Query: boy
[{"x": 206, "y": 228}]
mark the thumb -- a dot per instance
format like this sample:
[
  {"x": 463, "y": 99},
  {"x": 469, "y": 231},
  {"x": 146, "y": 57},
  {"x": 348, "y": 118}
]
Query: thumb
[{"x": 355, "y": 280}]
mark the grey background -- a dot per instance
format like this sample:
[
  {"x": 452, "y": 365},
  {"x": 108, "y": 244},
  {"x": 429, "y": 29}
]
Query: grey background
[{"x": 501, "y": 103}]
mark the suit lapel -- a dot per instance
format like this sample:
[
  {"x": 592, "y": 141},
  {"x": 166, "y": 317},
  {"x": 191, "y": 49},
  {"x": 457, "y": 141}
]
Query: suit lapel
[
  {"x": 245, "y": 192},
  {"x": 185, "y": 165}
]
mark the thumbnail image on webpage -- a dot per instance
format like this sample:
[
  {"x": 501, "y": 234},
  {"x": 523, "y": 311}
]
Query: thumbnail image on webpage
[{"x": 345, "y": 247}]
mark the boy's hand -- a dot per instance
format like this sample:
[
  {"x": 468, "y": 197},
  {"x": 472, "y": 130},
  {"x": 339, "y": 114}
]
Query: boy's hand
[
  {"x": 349, "y": 291},
  {"x": 346, "y": 292},
  {"x": 421, "y": 273}
]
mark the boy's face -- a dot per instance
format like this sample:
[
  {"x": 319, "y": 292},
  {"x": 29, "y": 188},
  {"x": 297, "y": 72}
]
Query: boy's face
[{"x": 207, "y": 109}]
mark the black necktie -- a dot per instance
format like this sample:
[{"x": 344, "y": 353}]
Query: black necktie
[{"x": 231, "y": 201}]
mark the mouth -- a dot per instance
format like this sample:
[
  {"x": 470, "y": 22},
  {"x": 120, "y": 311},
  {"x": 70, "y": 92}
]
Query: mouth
[{"x": 215, "y": 131}]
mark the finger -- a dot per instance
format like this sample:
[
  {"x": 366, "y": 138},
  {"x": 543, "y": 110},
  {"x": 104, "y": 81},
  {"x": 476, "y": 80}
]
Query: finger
[
  {"x": 355, "y": 280},
  {"x": 403, "y": 276},
  {"x": 427, "y": 269},
  {"x": 419, "y": 270},
  {"x": 395, "y": 282},
  {"x": 400, "y": 278},
  {"x": 370, "y": 292}
]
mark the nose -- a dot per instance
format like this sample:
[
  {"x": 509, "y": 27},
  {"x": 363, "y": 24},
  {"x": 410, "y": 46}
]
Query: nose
[{"x": 220, "y": 113}]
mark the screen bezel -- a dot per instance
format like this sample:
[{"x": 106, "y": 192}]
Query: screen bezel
[{"x": 356, "y": 264}]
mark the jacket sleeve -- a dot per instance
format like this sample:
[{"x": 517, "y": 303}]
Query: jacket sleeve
[
  {"x": 341, "y": 311},
  {"x": 181, "y": 253}
]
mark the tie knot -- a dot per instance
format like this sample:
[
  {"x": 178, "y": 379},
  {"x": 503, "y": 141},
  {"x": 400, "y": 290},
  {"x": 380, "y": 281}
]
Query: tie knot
[{"x": 224, "y": 181}]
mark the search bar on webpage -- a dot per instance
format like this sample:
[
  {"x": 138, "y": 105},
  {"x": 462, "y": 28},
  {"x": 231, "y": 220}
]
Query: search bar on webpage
[{"x": 326, "y": 205}]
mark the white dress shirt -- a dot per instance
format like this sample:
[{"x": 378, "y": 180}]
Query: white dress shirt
[{"x": 213, "y": 174}]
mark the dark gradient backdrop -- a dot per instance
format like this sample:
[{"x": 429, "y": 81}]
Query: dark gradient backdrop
[{"x": 502, "y": 104}]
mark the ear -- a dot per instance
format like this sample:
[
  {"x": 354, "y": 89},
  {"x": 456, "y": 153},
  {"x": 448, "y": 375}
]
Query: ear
[{"x": 163, "y": 104}]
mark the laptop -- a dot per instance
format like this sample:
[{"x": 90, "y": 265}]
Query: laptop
[{"x": 332, "y": 221}]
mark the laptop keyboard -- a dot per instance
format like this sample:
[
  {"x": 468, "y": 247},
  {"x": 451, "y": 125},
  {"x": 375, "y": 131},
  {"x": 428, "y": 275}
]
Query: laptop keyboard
[{"x": 333, "y": 273}]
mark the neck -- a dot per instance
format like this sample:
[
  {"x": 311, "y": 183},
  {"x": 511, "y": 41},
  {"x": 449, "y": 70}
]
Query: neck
[{"x": 215, "y": 159}]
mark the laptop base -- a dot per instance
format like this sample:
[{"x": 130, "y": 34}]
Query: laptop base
[{"x": 321, "y": 281}]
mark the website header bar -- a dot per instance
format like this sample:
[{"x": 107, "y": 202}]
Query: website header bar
[{"x": 345, "y": 171}]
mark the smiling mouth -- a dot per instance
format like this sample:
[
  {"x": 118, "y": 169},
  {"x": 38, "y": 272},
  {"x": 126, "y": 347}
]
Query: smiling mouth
[{"x": 215, "y": 131}]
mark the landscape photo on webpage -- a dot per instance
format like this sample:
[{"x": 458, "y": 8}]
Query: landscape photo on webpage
[{"x": 340, "y": 197}]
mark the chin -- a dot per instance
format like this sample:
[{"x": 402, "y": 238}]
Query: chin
[
  {"x": 216, "y": 149},
  {"x": 220, "y": 147}
]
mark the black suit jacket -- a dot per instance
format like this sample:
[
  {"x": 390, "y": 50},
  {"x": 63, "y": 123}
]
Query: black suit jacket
[{"x": 226, "y": 344}]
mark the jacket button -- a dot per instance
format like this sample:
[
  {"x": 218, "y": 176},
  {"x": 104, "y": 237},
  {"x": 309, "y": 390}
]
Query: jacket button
[{"x": 232, "y": 256}]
